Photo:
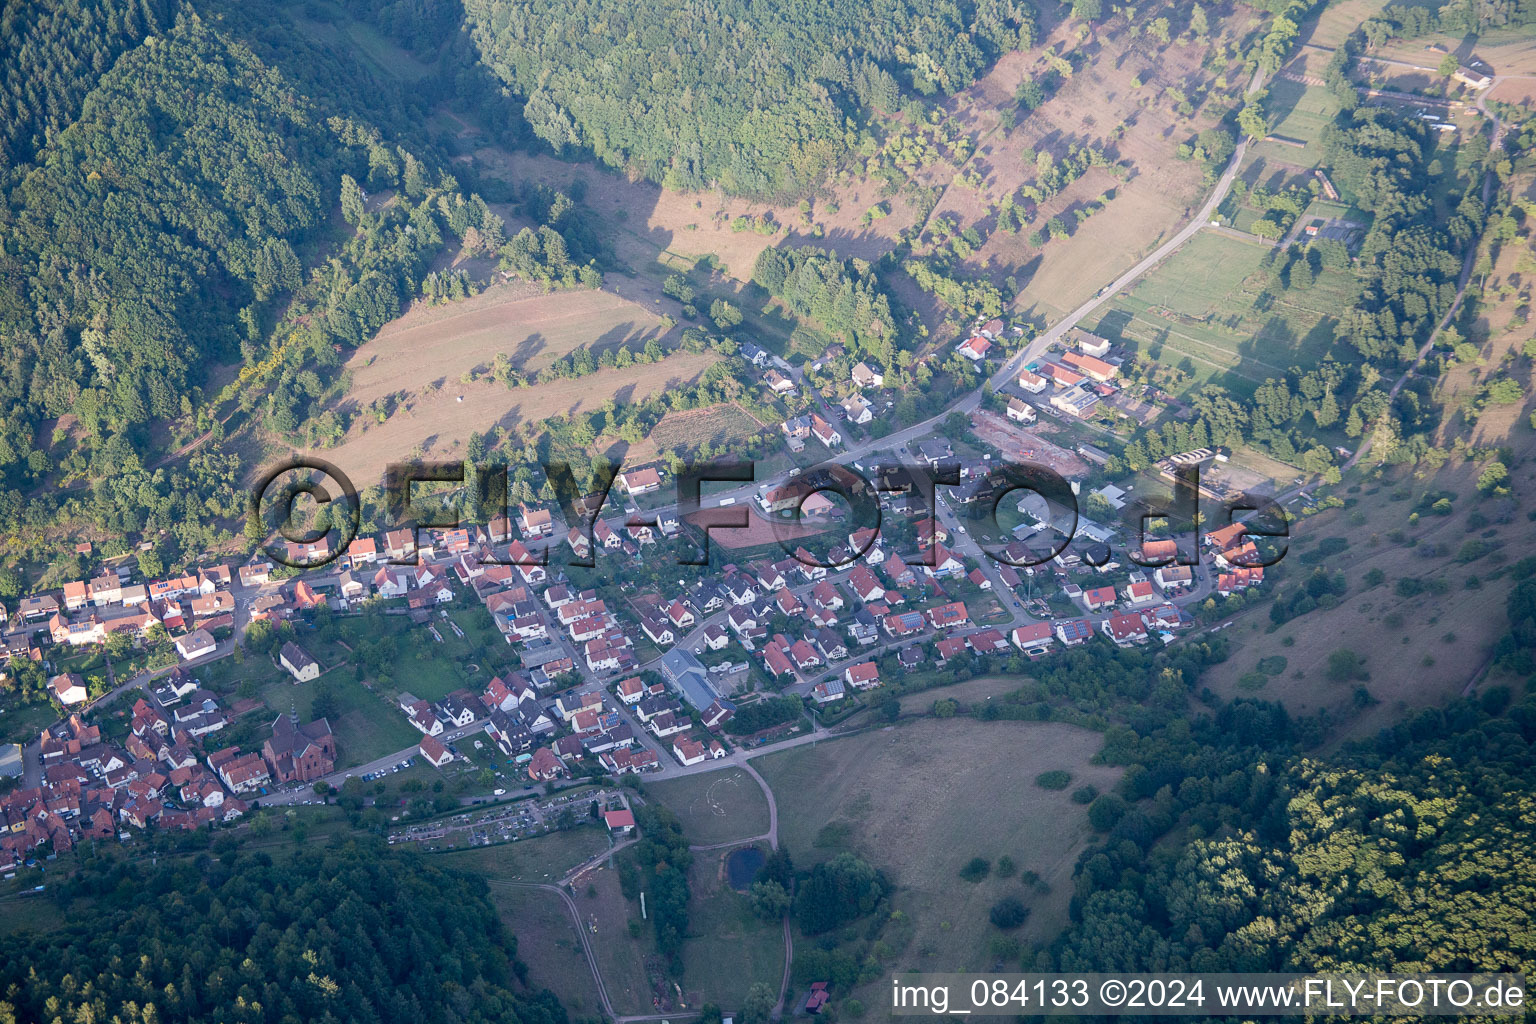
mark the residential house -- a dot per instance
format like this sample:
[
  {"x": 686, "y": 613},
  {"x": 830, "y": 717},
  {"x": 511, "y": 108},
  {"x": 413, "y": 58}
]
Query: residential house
[
  {"x": 1095, "y": 598},
  {"x": 68, "y": 688},
  {"x": 643, "y": 480},
  {"x": 299, "y": 664},
  {"x": 829, "y": 691},
  {"x": 40, "y": 606},
  {"x": 1140, "y": 593},
  {"x": 1021, "y": 411},
  {"x": 363, "y": 551},
  {"x": 657, "y": 630},
  {"x": 400, "y": 546},
  {"x": 776, "y": 661},
  {"x": 534, "y": 521},
  {"x": 1125, "y": 629},
  {"x": 949, "y": 616},
  {"x": 1173, "y": 577},
  {"x": 949, "y": 648},
  {"x": 974, "y": 348},
  {"x": 864, "y": 585},
  {"x": 1088, "y": 344},
  {"x": 1031, "y": 382},
  {"x": 857, "y": 410},
  {"x": 825, "y": 595},
  {"x": 1072, "y": 632},
  {"x": 423, "y": 718},
  {"x": 866, "y": 376},
  {"x": 544, "y": 765},
  {"x": 511, "y": 735},
  {"x": 778, "y": 383},
  {"x": 1033, "y": 639},
  {"x": 830, "y": 644},
  {"x": 863, "y": 676},
  {"x": 688, "y": 751},
  {"x": 717, "y": 714},
  {"x": 825, "y": 432},
  {"x": 76, "y": 595},
  {"x": 196, "y": 644},
  {"x": 944, "y": 563},
  {"x": 805, "y": 655},
  {"x": 217, "y": 603},
  {"x": 796, "y": 429},
  {"x": 433, "y": 750}
]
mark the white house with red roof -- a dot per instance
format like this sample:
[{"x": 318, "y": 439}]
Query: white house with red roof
[
  {"x": 640, "y": 481},
  {"x": 1035, "y": 638},
  {"x": 1095, "y": 598},
  {"x": 433, "y": 750},
  {"x": 1125, "y": 628},
  {"x": 1140, "y": 594},
  {"x": 863, "y": 676},
  {"x": 974, "y": 348}
]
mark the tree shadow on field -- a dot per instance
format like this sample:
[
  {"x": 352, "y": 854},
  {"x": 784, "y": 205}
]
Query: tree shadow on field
[
  {"x": 1112, "y": 325},
  {"x": 1284, "y": 96},
  {"x": 528, "y": 348}
]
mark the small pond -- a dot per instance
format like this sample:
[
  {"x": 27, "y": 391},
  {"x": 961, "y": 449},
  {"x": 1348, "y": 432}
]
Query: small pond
[{"x": 741, "y": 867}]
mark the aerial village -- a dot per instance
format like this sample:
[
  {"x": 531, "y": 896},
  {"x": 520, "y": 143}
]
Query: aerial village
[{"x": 614, "y": 676}]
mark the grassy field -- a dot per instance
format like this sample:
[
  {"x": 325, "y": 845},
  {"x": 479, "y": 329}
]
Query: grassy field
[
  {"x": 972, "y": 690},
  {"x": 544, "y": 859},
  {"x": 1425, "y": 631},
  {"x": 418, "y": 364},
  {"x": 368, "y": 727},
  {"x": 622, "y": 951},
  {"x": 547, "y": 942},
  {"x": 920, "y": 800},
  {"x": 715, "y": 807},
  {"x": 20, "y": 722},
  {"x": 1206, "y": 310},
  {"x": 718, "y": 426},
  {"x": 728, "y": 948},
  {"x": 1297, "y": 111}
]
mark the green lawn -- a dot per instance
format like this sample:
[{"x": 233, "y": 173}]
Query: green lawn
[
  {"x": 543, "y": 859},
  {"x": 1209, "y": 310},
  {"x": 728, "y": 948},
  {"x": 547, "y": 942},
  {"x": 426, "y": 668},
  {"x": 715, "y": 807},
  {"x": 919, "y": 801},
  {"x": 1302, "y": 112},
  {"x": 368, "y": 727},
  {"x": 21, "y": 721}
]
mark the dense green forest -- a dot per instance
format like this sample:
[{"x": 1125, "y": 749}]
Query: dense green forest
[
  {"x": 50, "y": 56},
  {"x": 845, "y": 297},
  {"x": 357, "y": 933},
  {"x": 757, "y": 99},
  {"x": 204, "y": 184}
]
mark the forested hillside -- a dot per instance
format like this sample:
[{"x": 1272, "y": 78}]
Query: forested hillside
[
  {"x": 51, "y": 55},
  {"x": 1410, "y": 852},
  {"x": 196, "y": 185},
  {"x": 757, "y": 99},
  {"x": 355, "y": 934}
]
